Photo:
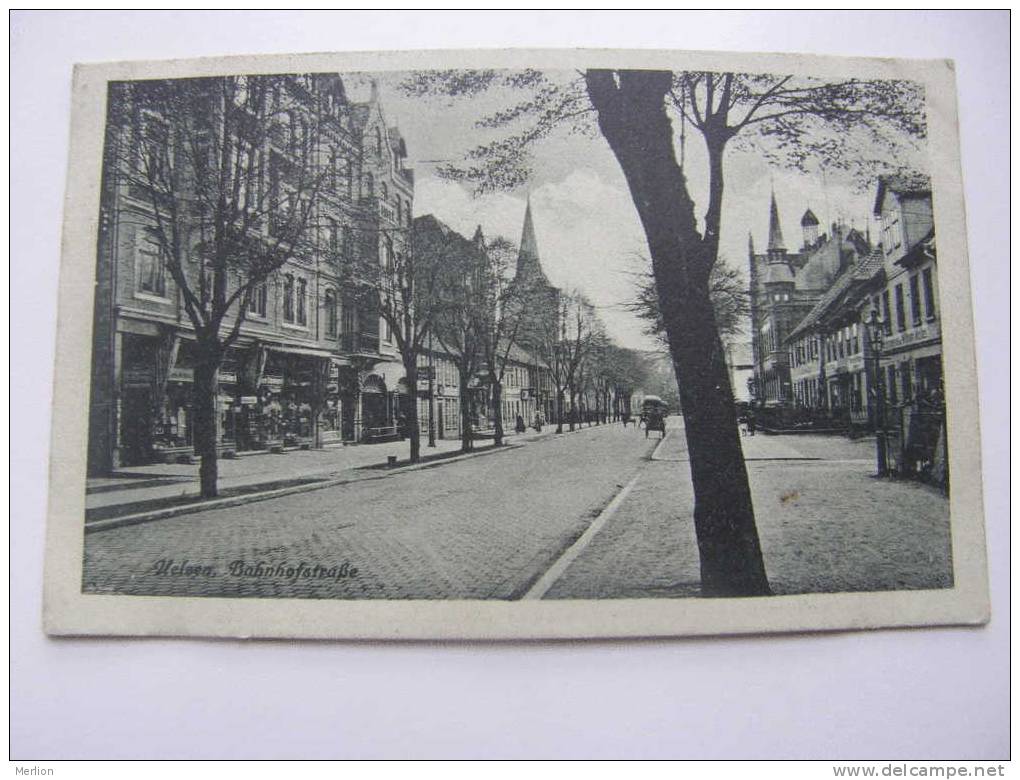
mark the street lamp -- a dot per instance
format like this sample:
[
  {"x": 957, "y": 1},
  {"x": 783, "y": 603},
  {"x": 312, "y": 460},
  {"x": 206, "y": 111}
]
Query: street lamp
[
  {"x": 876, "y": 328},
  {"x": 432, "y": 393}
]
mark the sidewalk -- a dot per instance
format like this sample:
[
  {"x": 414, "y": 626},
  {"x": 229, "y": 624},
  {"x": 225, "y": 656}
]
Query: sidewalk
[{"x": 135, "y": 488}]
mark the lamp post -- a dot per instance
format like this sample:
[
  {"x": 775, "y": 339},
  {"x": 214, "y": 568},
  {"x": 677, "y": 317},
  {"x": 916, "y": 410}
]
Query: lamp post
[
  {"x": 432, "y": 393},
  {"x": 875, "y": 332}
]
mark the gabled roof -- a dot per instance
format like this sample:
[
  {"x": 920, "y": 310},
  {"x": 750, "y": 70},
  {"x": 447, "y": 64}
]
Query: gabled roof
[
  {"x": 918, "y": 252},
  {"x": 396, "y": 140},
  {"x": 863, "y": 271},
  {"x": 909, "y": 183}
]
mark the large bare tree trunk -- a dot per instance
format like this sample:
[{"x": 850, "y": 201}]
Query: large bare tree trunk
[
  {"x": 632, "y": 117},
  {"x": 206, "y": 392}
]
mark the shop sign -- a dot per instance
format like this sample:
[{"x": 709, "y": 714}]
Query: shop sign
[
  {"x": 182, "y": 375},
  {"x": 423, "y": 384},
  {"x": 272, "y": 381},
  {"x": 137, "y": 376},
  {"x": 249, "y": 400},
  {"x": 525, "y": 394},
  {"x": 229, "y": 377}
]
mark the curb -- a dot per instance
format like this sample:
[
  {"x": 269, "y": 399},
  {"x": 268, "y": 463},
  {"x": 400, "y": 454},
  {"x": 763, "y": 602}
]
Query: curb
[{"x": 251, "y": 498}]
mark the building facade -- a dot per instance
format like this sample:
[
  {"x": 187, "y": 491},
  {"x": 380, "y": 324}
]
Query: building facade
[
  {"x": 311, "y": 363},
  {"x": 784, "y": 287}
]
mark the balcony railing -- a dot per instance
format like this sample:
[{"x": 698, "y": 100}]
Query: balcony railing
[{"x": 360, "y": 343}]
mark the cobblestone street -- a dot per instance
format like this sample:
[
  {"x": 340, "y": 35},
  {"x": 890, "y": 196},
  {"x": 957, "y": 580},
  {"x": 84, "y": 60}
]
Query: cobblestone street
[
  {"x": 491, "y": 526},
  {"x": 485, "y": 527}
]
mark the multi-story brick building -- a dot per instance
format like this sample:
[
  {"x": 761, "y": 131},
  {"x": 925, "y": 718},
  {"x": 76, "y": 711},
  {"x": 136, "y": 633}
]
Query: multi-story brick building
[
  {"x": 311, "y": 362},
  {"x": 784, "y": 287}
]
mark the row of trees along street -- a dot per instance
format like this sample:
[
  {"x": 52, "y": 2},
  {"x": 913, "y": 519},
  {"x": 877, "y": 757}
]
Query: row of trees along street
[
  {"x": 197, "y": 150},
  {"x": 846, "y": 125},
  {"x": 230, "y": 204}
]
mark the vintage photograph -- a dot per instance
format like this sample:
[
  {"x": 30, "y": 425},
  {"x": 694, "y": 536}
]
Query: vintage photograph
[{"x": 529, "y": 333}]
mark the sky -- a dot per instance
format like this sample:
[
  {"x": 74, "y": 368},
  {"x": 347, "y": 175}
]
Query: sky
[{"x": 588, "y": 232}]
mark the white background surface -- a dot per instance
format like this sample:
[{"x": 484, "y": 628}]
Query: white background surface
[{"x": 908, "y": 694}]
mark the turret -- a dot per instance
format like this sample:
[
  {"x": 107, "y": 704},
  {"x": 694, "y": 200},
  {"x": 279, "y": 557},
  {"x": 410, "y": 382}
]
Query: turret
[{"x": 809, "y": 226}]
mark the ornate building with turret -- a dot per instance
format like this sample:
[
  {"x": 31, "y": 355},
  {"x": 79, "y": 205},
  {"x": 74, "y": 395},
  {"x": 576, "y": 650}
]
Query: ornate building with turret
[{"x": 784, "y": 287}]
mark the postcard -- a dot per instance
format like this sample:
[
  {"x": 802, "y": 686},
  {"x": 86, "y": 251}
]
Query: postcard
[{"x": 514, "y": 344}]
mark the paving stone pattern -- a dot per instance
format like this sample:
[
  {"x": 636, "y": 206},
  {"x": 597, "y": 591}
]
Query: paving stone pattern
[
  {"x": 825, "y": 525},
  {"x": 482, "y": 528}
]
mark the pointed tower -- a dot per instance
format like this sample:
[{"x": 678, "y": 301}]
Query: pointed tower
[
  {"x": 528, "y": 265},
  {"x": 776, "y": 243}
]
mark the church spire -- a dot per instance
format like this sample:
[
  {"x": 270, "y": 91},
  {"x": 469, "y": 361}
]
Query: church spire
[
  {"x": 776, "y": 243},
  {"x": 527, "y": 257}
]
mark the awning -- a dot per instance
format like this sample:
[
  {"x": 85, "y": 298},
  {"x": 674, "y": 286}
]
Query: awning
[{"x": 311, "y": 351}]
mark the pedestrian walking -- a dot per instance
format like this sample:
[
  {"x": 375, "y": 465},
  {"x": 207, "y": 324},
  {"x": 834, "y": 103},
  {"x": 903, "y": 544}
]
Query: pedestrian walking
[{"x": 519, "y": 425}]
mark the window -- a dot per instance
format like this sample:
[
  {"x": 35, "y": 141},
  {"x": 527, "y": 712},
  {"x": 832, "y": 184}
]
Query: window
[
  {"x": 331, "y": 318},
  {"x": 886, "y": 319},
  {"x": 407, "y": 211},
  {"x": 257, "y": 304},
  {"x": 333, "y": 237},
  {"x": 350, "y": 180},
  {"x": 302, "y": 297},
  {"x": 347, "y": 246},
  {"x": 378, "y": 142},
  {"x": 400, "y": 217},
  {"x": 890, "y": 384},
  {"x": 388, "y": 254},
  {"x": 856, "y": 339},
  {"x": 384, "y": 191},
  {"x": 151, "y": 269},
  {"x": 332, "y": 172},
  {"x": 369, "y": 186},
  {"x": 901, "y": 315},
  {"x": 929, "y": 294},
  {"x": 288, "y": 298},
  {"x": 915, "y": 299},
  {"x": 907, "y": 383}
]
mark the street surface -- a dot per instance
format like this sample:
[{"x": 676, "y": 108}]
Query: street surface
[{"x": 511, "y": 524}]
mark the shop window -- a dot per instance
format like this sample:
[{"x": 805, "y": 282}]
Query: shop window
[
  {"x": 915, "y": 299},
  {"x": 929, "y": 294},
  {"x": 288, "y": 298},
  {"x": 302, "y": 301},
  {"x": 901, "y": 314},
  {"x": 151, "y": 269}
]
